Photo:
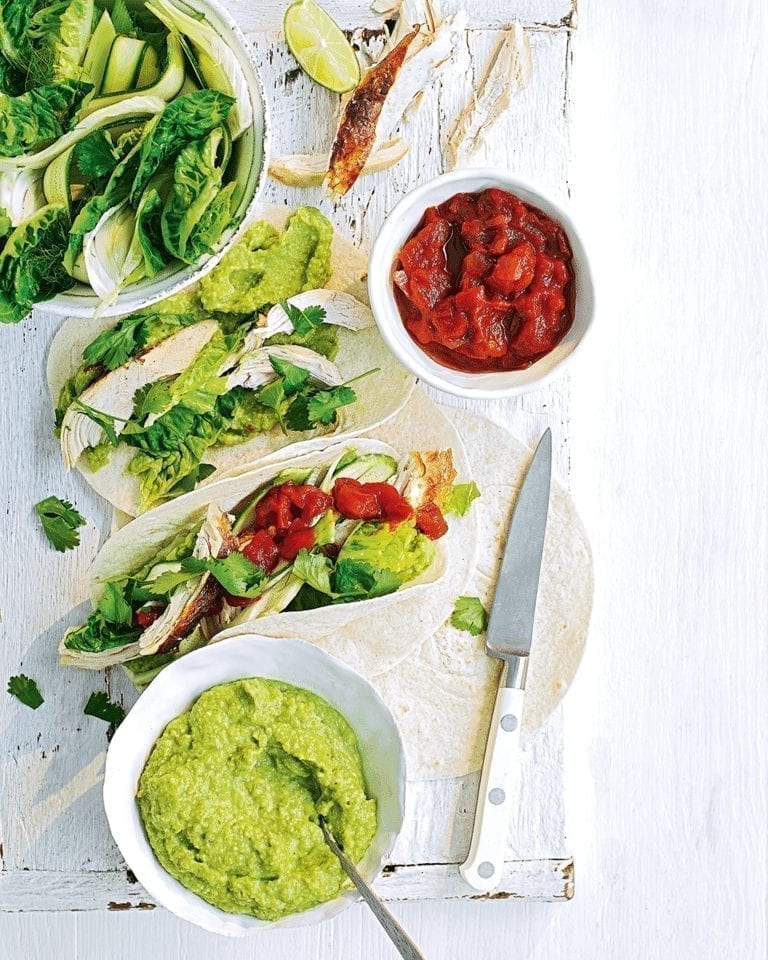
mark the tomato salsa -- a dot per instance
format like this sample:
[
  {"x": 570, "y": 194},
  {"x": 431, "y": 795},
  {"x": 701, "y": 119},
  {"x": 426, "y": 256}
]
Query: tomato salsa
[{"x": 485, "y": 282}]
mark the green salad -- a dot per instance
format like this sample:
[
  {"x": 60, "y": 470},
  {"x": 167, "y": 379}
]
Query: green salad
[{"x": 119, "y": 131}]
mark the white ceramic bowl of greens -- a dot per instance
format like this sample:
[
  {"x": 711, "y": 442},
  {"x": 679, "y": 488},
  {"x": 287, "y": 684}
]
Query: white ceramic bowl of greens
[
  {"x": 232, "y": 57},
  {"x": 177, "y": 688}
]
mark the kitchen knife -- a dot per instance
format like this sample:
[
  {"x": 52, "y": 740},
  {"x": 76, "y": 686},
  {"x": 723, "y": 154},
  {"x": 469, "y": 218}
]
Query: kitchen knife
[{"x": 509, "y": 635}]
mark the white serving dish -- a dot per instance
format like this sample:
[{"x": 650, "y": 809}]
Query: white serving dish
[
  {"x": 252, "y": 151},
  {"x": 399, "y": 225},
  {"x": 174, "y": 691}
]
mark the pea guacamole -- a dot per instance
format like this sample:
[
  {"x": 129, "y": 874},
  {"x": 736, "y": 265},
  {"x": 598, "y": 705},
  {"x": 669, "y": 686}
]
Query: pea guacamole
[{"x": 232, "y": 791}]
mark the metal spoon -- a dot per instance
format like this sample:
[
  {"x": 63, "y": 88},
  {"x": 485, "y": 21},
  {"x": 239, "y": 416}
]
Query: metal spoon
[{"x": 395, "y": 932}]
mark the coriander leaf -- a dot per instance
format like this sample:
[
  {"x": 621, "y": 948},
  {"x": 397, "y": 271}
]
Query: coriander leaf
[
  {"x": 25, "y": 689},
  {"x": 304, "y": 321},
  {"x": 469, "y": 614},
  {"x": 355, "y": 579},
  {"x": 297, "y": 415},
  {"x": 104, "y": 420},
  {"x": 95, "y": 156},
  {"x": 272, "y": 395},
  {"x": 294, "y": 378},
  {"x": 60, "y": 521},
  {"x": 168, "y": 581},
  {"x": 322, "y": 407},
  {"x": 237, "y": 574},
  {"x": 116, "y": 346},
  {"x": 99, "y": 705},
  {"x": 461, "y": 498},
  {"x": 113, "y": 606}
]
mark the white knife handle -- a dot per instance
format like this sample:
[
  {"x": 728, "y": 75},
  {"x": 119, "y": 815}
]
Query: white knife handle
[{"x": 485, "y": 861}]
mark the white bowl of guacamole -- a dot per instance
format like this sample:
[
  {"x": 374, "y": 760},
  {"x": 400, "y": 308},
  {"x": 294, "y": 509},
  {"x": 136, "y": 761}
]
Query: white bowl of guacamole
[{"x": 215, "y": 780}]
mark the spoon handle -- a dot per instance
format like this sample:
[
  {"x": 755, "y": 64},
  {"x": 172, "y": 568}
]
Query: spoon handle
[{"x": 406, "y": 947}]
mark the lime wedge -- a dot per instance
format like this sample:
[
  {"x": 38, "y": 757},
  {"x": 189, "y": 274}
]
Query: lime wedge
[{"x": 322, "y": 50}]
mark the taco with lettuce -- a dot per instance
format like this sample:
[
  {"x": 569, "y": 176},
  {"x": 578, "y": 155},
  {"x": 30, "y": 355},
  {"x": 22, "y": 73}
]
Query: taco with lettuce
[
  {"x": 327, "y": 536},
  {"x": 277, "y": 345}
]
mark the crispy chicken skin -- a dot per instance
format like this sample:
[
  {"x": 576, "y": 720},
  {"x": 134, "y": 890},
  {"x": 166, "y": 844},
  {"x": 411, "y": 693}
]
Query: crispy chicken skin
[{"x": 356, "y": 134}]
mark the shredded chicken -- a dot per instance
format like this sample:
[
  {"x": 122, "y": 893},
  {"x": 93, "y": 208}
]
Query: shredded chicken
[
  {"x": 356, "y": 134},
  {"x": 430, "y": 477},
  {"x": 508, "y": 71},
  {"x": 309, "y": 169}
]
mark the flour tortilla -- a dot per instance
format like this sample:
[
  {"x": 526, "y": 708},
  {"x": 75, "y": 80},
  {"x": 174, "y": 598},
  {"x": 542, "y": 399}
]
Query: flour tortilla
[
  {"x": 442, "y": 695},
  {"x": 373, "y": 636},
  {"x": 380, "y": 395}
]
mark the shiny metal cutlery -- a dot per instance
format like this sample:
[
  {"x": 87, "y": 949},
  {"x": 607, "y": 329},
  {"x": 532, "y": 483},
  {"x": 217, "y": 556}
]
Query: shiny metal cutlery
[
  {"x": 406, "y": 947},
  {"x": 509, "y": 636}
]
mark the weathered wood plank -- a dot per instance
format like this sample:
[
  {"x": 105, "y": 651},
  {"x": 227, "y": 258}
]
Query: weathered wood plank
[{"x": 45, "y": 890}]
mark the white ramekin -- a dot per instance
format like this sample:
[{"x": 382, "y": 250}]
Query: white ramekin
[
  {"x": 176, "y": 689},
  {"x": 398, "y": 226}
]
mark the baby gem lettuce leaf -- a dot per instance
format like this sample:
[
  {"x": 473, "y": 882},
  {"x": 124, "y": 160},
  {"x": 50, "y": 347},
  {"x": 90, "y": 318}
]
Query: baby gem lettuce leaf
[
  {"x": 461, "y": 498},
  {"x": 60, "y": 523},
  {"x": 15, "y": 22},
  {"x": 185, "y": 119},
  {"x": 26, "y": 690},
  {"x": 34, "y": 119},
  {"x": 469, "y": 614},
  {"x": 99, "y": 705},
  {"x": 60, "y": 31}
]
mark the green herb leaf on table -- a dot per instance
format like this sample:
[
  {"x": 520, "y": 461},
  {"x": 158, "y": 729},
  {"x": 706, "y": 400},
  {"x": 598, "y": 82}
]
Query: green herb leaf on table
[
  {"x": 25, "y": 689},
  {"x": 461, "y": 497},
  {"x": 99, "y": 705},
  {"x": 469, "y": 614},
  {"x": 60, "y": 523},
  {"x": 304, "y": 321}
]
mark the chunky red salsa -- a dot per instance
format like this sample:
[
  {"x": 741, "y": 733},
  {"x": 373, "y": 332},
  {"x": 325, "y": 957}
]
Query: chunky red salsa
[{"x": 485, "y": 282}]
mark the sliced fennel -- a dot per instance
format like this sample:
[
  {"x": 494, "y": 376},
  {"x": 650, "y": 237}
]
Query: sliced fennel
[
  {"x": 127, "y": 110},
  {"x": 62, "y": 31},
  {"x": 219, "y": 67},
  {"x": 21, "y": 194},
  {"x": 110, "y": 260}
]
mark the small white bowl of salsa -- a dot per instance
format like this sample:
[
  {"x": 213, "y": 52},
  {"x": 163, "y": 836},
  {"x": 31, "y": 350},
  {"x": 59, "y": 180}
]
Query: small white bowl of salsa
[
  {"x": 227, "y": 793},
  {"x": 480, "y": 284}
]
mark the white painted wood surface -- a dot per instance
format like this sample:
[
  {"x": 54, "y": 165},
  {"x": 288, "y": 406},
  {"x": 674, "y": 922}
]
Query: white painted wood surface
[{"x": 664, "y": 430}]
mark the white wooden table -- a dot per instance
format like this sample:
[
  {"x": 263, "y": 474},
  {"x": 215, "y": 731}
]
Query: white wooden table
[{"x": 652, "y": 116}]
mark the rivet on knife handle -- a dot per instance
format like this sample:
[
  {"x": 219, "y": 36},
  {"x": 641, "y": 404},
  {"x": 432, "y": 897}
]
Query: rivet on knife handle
[{"x": 485, "y": 862}]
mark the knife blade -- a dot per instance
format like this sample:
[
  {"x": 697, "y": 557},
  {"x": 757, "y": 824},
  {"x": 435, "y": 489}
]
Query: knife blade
[{"x": 509, "y": 637}]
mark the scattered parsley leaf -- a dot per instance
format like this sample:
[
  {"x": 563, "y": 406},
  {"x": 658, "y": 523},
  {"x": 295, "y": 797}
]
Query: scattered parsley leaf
[
  {"x": 461, "y": 498},
  {"x": 306, "y": 320},
  {"x": 25, "y": 689},
  {"x": 104, "y": 420},
  {"x": 294, "y": 378},
  {"x": 470, "y": 615},
  {"x": 60, "y": 521},
  {"x": 99, "y": 705},
  {"x": 113, "y": 606},
  {"x": 322, "y": 407}
]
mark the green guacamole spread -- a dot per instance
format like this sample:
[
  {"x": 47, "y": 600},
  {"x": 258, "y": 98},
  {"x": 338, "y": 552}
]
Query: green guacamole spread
[{"x": 231, "y": 793}]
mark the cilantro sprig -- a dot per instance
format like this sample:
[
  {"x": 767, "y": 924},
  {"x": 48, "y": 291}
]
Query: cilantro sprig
[
  {"x": 26, "y": 690},
  {"x": 99, "y": 705},
  {"x": 60, "y": 523},
  {"x": 306, "y": 320},
  {"x": 469, "y": 614}
]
